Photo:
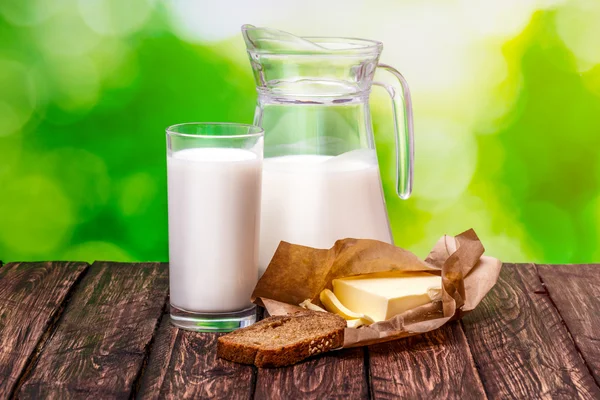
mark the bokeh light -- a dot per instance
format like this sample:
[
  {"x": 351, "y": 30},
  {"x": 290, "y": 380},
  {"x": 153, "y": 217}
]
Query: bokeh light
[
  {"x": 40, "y": 217},
  {"x": 115, "y": 17},
  {"x": 17, "y": 97},
  {"x": 506, "y": 97}
]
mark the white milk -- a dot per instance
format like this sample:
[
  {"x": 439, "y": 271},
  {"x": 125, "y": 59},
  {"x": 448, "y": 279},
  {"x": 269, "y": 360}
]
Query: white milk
[
  {"x": 214, "y": 200},
  {"x": 316, "y": 200}
]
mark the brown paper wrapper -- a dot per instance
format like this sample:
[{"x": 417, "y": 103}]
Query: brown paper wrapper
[{"x": 297, "y": 273}]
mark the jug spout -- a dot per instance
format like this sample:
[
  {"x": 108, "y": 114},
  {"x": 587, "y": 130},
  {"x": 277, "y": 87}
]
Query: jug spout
[
  {"x": 287, "y": 65},
  {"x": 272, "y": 40}
]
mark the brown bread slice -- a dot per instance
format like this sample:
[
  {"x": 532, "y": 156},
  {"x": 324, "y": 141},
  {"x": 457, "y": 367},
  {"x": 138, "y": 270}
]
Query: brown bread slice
[{"x": 283, "y": 340}]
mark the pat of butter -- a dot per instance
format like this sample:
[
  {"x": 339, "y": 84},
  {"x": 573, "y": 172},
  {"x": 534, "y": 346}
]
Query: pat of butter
[{"x": 381, "y": 296}]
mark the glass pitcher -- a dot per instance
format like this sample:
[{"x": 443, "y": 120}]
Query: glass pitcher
[{"x": 321, "y": 178}]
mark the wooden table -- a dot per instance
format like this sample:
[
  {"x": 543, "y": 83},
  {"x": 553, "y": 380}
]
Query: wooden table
[{"x": 71, "y": 330}]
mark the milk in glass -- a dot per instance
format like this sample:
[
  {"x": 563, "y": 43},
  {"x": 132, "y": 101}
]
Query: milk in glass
[{"x": 214, "y": 200}]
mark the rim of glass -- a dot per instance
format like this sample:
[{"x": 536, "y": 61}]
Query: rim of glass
[
  {"x": 356, "y": 46},
  {"x": 358, "y": 43},
  {"x": 255, "y": 131}
]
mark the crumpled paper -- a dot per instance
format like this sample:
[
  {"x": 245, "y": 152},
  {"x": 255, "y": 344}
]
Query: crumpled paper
[{"x": 297, "y": 273}]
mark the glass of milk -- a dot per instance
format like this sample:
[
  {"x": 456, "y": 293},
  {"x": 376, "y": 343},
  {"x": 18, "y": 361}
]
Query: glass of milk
[{"x": 214, "y": 173}]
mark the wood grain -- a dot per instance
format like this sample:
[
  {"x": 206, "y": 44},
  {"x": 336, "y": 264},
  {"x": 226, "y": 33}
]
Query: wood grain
[
  {"x": 435, "y": 365},
  {"x": 100, "y": 344},
  {"x": 159, "y": 360},
  {"x": 519, "y": 344},
  {"x": 575, "y": 290},
  {"x": 184, "y": 365},
  {"x": 31, "y": 296},
  {"x": 338, "y": 374}
]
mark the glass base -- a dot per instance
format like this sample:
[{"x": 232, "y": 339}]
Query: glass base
[{"x": 212, "y": 322}]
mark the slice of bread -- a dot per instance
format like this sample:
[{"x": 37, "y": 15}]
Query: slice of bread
[{"x": 283, "y": 340}]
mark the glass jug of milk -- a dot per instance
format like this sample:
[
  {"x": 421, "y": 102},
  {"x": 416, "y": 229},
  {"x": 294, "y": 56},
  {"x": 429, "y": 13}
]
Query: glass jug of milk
[{"x": 321, "y": 178}]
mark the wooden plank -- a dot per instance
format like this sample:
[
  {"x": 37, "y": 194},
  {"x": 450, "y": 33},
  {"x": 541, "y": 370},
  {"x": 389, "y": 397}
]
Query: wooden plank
[
  {"x": 575, "y": 290},
  {"x": 31, "y": 297},
  {"x": 338, "y": 374},
  {"x": 101, "y": 341},
  {"x": 435, "y": 365},
  {"x": 159, "y": 360},
  {"x": 519, "y": 344},
  {"x": 184, "y": 364}
]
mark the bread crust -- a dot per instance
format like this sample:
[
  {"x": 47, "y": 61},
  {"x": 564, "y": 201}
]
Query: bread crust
[{"x": 331, "y": 337}]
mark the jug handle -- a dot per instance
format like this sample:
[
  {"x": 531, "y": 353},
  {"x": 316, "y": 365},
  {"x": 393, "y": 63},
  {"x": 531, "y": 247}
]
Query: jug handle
[{"x": 403, "y": 128}]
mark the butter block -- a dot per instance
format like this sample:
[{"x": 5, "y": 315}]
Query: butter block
[{"x": 381, "y": 296}]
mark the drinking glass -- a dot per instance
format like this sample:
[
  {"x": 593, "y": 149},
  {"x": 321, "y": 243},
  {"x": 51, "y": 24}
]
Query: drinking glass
[{"x": 214, "y": 173}]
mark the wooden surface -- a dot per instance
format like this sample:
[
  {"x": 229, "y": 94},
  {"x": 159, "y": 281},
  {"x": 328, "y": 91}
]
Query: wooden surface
[
  {"x": 447, "y": 370},
  {"x": 520, "y": 345},
  {"x": 575, "y": 290},
  {"x": 31, "y": 298},
  {"x": 69, "y": 330},
  {"x": 104, "y": 334},
  {"x": 185, "y": 365},
  {"x": 338, "y": 374}
]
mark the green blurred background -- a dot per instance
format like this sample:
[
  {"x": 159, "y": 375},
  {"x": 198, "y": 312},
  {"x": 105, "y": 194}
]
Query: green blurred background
[{"x": 506, "y": 96}]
